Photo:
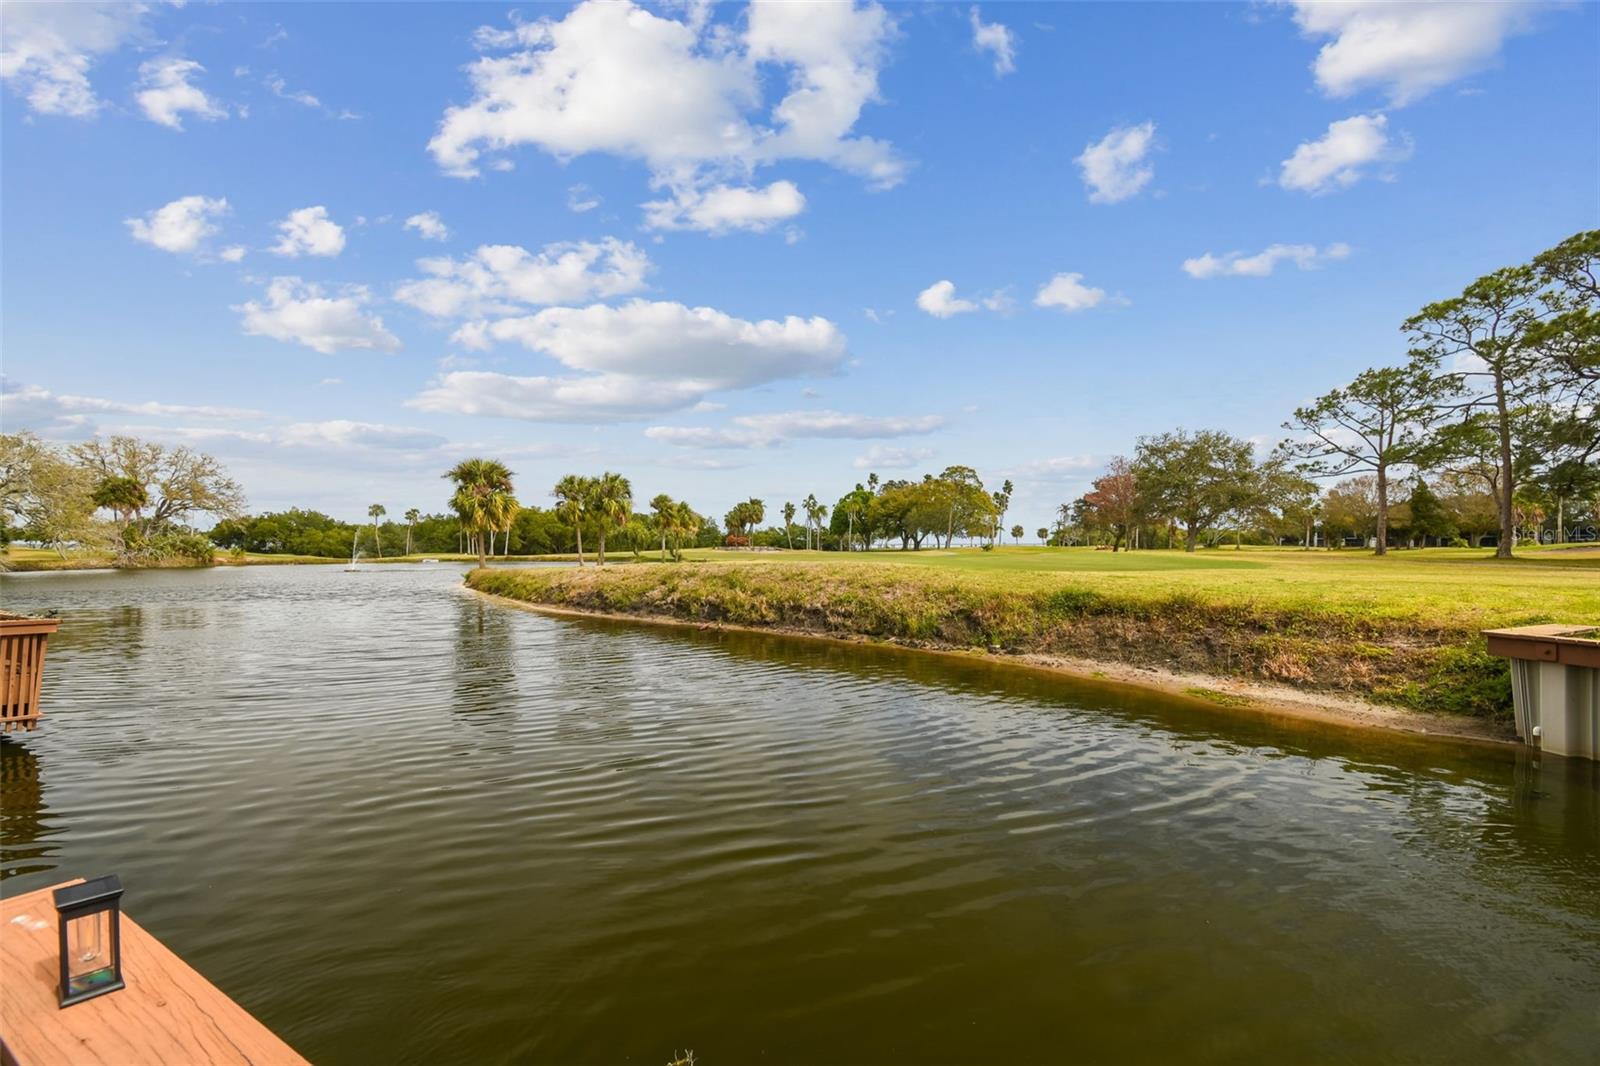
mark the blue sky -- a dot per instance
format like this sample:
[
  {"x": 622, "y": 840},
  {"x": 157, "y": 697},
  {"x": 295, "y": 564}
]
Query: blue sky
[{"x": 341, "y": 246}]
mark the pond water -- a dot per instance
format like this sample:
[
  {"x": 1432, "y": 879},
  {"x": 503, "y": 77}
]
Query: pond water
[{"x": 399, "y": 823}]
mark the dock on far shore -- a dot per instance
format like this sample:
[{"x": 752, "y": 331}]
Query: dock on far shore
[{"x": 168, "y": 1013}]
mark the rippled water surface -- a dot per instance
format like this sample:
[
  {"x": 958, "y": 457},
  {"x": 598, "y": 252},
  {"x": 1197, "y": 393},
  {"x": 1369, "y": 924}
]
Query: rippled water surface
[{"x": 402, "y": 824}]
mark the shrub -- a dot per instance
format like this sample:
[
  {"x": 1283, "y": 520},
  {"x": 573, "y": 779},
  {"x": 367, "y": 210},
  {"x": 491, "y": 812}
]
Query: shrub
[{"x": 172, "y": 546}]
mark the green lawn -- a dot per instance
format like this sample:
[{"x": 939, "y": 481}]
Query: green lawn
[{"x": 1457, "y": 586}]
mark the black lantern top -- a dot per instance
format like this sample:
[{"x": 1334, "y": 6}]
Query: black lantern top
[{"x": 86, "y": 894}]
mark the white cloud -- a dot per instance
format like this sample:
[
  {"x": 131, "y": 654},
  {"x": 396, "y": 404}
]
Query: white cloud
[
  {"x": 309, "y": 231},
  {"x": 792, "y": 424},
  {"x": 180, "y": 226},
  {"x": 880, "y": 457},
  {"x": 429, "y": 226},
  {"x": 279, "y": 88},
  {"x": 601, "y": 398},
  {"x": 208, "y": 436},
  {"x": 592, "y": 82},
  {"x": 760, "y": 431},
  {"x": 1114, "y": 167},
  {"x": 166, "y": 94},
  {"x": 940, "y": 300},
  {"x": 997, "y": 38},
  {"x": 663, "y": 341},
  {"x": 832, "y": 53},
  {"x": 503, "y": 278},
  {"x": 1237, "y": 264},
  {"x": 1407, "y": 49},
  {"x": 581, "y": 198},
  {"x": 720, "y": 209},
  {"x": 1056, "y": 468},
  {"x": 1068, "y": 292},
  {"x": 47, "y": 49},
  {"x": 1342, "y": 156},
  {"x": 342, "y": 433},
  {"x": 639, "y": 359},
  {"x": 35, "y": 400},
  {"x": 300, "y": 312},
  {"x": 232, "y": 254}
]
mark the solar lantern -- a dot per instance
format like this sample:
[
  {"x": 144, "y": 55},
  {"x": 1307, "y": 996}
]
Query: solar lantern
[{"x": 90, "y": 916}]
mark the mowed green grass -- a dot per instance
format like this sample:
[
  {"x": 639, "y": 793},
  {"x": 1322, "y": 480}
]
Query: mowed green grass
[{"x": 1448, "y": 586}]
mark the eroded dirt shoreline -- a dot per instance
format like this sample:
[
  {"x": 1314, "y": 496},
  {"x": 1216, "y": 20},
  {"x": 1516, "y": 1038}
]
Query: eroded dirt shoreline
[{"x": 1231, "y": 694}]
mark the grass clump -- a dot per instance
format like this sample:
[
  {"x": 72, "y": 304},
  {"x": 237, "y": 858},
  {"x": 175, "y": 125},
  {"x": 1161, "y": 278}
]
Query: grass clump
[{"x": 1222, "y": 699}]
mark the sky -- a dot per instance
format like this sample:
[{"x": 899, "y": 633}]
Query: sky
[{"x": 735, "y": 251}]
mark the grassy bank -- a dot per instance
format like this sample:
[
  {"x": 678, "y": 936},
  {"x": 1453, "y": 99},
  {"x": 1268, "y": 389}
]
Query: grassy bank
[
  {"x": 1401, "y": 630},
  {"x": 30, "y": 560}
]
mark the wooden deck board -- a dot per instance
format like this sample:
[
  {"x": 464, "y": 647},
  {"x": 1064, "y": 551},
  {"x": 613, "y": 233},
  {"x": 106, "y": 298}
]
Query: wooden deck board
[{"x": 168, "y": 1014}]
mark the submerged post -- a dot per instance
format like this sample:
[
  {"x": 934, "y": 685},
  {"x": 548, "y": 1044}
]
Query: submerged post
[{"x": 1555, "y": 685}]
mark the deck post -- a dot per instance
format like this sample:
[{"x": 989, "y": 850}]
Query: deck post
[{"x": 1555, "y": 685}]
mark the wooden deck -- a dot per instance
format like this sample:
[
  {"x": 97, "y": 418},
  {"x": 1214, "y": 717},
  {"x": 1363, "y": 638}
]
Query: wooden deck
[
  {"x": 22, "y": 647},
  {"x": 168, "y": 1014}
]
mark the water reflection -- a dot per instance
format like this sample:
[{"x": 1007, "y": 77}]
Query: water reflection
[
  {"x": 485, "y": 668},
  {"x": 1551, "y": 813},
  {"x": 118, "y": 631},
  {"x": 25, "y": 829},
  {"x": 595, "y": 841}
]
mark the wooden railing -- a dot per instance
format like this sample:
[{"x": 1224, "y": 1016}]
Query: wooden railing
[{"x": 22, "y": 645}]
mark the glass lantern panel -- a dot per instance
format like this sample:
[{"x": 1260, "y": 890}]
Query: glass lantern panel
[{"x": 89, "y": 952}]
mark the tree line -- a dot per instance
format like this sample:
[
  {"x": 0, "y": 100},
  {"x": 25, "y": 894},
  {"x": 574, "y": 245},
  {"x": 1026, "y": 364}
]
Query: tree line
[
  {"x": 486, "y": 508},
  {"x": 1495, "y": 409},
  {"x": 1489, "y": 428}
]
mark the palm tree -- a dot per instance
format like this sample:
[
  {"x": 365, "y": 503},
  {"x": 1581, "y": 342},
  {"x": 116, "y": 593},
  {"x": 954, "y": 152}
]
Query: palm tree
[
  {"x": 788, "y": 524},
  {"x": 573, "y": 491},
  {"x": 852, "y": 507},
  {"x": 662, "y": 506},
  {"x": 810, "y": 505},
  {"x": 611, "y": 501},
  {"x": 411, "y": 524},
  {"x": 755, "y": 511},
  {"x": 815, "y": 513},
  {"x": 375, "y": 512},
  {"x": 124, "y": 497},
  {"x": 483, "y": 498},
  {"x": 683, "y": 522}
]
